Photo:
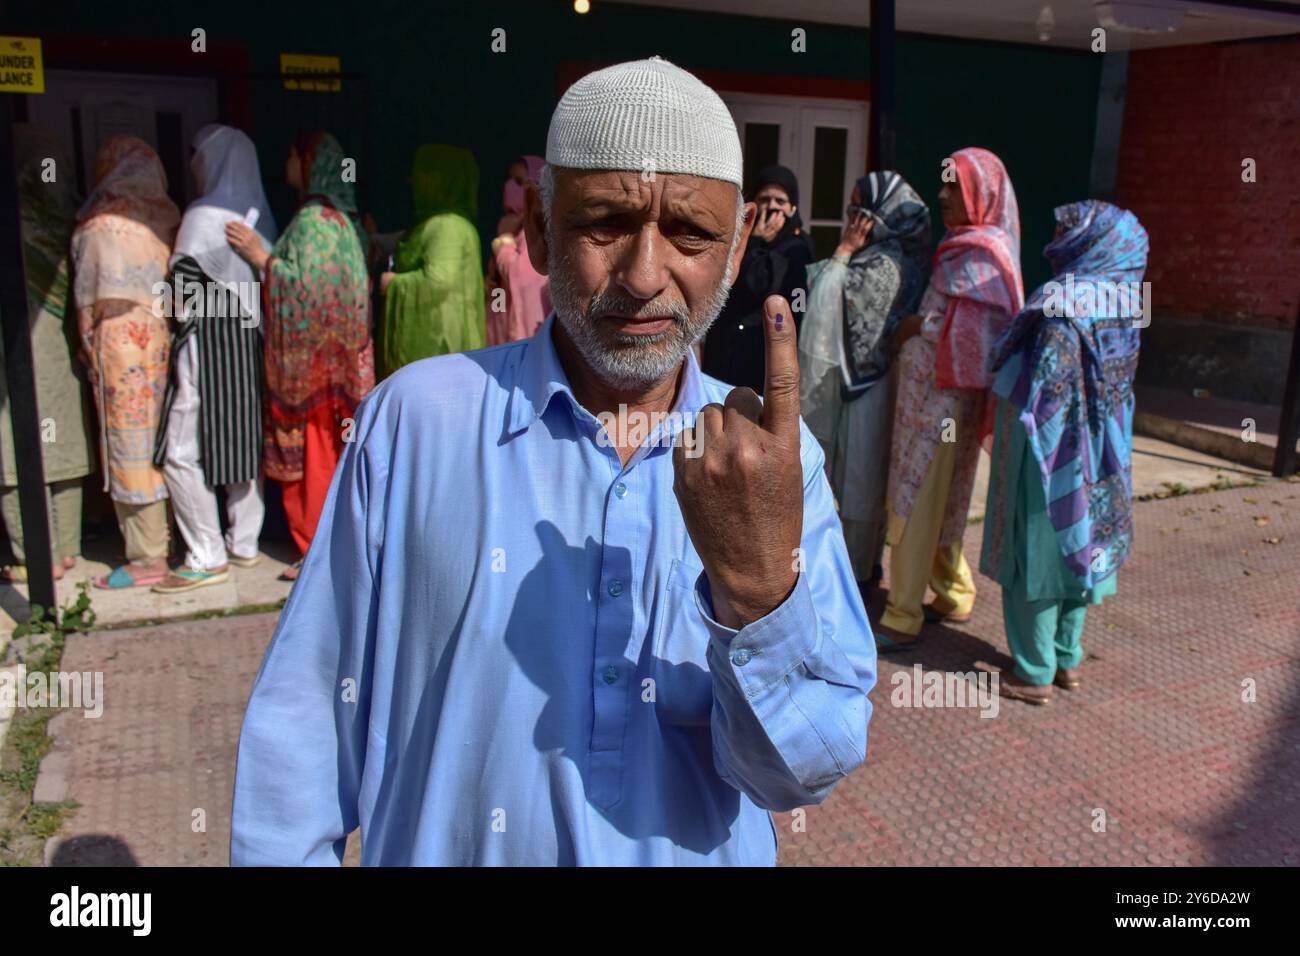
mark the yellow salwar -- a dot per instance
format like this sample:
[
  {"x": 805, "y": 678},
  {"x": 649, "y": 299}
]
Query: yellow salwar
[
  {"x": 146, "y": 530},
  {"x": 916, "y": 559}
]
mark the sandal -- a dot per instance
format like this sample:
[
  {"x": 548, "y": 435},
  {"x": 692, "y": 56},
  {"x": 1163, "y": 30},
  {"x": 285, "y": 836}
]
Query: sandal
[
  {"x": 890, "y": 641},
  {"x": 1013, "y": 688},
  {"x": 1067, "y": 678},
  {"x": 122, "y": 577},
  {"x": 239, "y": 562},
  {"x": 292, "y": 571},
  {"x": 186, "y": 578},
  {"x": 934, "y": 616}
]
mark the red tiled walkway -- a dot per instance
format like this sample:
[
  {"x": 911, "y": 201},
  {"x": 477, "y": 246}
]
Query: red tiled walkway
[{"x": 1159, "y": 737}]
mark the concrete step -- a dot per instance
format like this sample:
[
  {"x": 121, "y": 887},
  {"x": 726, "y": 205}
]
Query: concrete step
[{"x": 1241, "y": 432}]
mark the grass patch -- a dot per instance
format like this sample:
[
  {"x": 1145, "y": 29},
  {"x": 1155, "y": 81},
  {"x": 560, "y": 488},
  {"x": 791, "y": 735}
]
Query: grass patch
[
  {"x": 24, "y": 825},
  {"x": 196, "y": 616},
  {"x": 1176, "y": 489}
]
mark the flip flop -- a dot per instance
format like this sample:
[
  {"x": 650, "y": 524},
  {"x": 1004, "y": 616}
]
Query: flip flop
[
  {"x": 886, "y": 645},
  {"x": 187, "y": 579},
  {"x": 292, "y": 571},
  {"x": 1013, "y": 688},
  {"x": 934, "y": 616},
  {"x": 121, "y": 578},
  {"x": 238, "y": 562}
]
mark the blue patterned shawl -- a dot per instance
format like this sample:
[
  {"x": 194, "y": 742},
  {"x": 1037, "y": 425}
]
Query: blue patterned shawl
[{"x": 1066, "y": 368}]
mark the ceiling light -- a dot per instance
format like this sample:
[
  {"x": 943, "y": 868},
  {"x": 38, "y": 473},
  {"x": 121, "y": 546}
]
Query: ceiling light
[
  {"x": 1137, "y": 17},
  {"x": 1045, "y": 23}
]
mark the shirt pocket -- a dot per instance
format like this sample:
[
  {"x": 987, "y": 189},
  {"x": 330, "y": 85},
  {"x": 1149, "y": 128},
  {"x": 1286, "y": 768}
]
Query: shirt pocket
[{"x": 683, "y": 687}]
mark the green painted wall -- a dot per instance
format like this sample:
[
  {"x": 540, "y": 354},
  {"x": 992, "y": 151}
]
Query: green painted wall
[{"x": 431, "y": 77}]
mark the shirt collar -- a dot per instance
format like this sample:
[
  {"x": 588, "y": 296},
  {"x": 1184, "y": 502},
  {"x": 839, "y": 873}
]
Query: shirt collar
[{"x": 541, "y": 377}]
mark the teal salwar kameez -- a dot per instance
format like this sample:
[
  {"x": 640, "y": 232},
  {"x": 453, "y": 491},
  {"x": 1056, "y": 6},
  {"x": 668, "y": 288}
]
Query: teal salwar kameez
[
  {"x": 1064, "y": 433},
  {"x": 1043, "y": 605}
]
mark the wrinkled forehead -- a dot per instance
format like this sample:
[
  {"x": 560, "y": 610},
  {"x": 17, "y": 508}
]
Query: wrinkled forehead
[{"x": 630, "y": 191}]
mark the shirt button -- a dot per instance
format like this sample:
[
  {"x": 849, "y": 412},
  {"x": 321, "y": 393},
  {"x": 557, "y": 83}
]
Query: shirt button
[
  {"x": 615, "y": 588},
  {"x": 611, "y": 674},
  {"x": 741, "y": 657},
  {"x": 620, "y": 490}
]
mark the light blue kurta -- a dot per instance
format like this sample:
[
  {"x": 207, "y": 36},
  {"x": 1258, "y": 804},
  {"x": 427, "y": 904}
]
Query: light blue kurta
[{"x": 501, "y": 648}]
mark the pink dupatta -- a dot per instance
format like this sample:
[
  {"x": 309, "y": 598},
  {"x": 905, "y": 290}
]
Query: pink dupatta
[
  {"x": 977, "y": 267},
  {"x": 528, "y": 297}
]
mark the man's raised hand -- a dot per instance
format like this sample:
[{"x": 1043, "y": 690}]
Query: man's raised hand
[{"x": 742, "y": 495}]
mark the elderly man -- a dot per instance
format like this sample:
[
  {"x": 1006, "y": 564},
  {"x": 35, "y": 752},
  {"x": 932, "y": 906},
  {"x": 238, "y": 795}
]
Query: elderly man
[{"x": 543, "y": 621}]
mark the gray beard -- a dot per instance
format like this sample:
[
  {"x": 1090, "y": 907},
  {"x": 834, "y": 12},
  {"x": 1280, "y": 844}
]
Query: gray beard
[{"x": 618, "y": 359}]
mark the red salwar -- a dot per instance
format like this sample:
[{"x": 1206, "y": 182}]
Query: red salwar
[{"x": 322, "y": 447}]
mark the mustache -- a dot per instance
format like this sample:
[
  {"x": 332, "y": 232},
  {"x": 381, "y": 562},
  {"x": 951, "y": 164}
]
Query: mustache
[{"x": 612, "y": 303}]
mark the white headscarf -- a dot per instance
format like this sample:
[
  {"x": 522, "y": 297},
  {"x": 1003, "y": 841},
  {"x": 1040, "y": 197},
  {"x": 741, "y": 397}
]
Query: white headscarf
[{"x": 230, "y": 183}]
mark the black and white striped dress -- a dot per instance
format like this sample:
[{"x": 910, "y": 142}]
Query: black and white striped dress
[{"x": 230, "y": 387}]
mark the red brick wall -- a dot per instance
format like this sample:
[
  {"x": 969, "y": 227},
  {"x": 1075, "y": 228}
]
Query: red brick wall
[{"x": 1221, "y": 249}]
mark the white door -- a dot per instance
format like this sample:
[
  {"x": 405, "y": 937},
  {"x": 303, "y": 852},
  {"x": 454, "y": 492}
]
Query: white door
[
  {"x": 83, "y": 109},
  {"x": 823, "y": 141}
]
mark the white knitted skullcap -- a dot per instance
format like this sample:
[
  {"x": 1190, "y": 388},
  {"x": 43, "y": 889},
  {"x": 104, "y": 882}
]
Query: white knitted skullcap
[{"x": 645, "y": 115}]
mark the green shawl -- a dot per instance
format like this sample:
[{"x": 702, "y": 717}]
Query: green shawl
[
  {"x": 434, "y": 304},
  {"x": 317, "y": 316}
]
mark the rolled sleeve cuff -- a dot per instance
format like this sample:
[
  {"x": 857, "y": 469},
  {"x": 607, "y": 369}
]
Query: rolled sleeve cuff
[{"x": 764, "y": 652}]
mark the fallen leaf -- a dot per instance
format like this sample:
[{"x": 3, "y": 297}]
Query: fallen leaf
[
  {"x": 1250, "y": 501},
  {"x": 1261, "y": 520},
  {"x": 1272, "y": 540}
]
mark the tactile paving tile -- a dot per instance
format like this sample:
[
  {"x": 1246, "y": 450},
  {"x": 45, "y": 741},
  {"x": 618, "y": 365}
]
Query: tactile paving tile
[
  {"x": 1158, "y": 738},
  {"x": 165, "y": 746}
]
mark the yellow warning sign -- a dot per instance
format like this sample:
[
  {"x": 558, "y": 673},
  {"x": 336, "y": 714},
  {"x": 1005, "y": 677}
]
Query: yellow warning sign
[
  {"x": 299, "y": 64},
  {"x": 21, "y": 70}
]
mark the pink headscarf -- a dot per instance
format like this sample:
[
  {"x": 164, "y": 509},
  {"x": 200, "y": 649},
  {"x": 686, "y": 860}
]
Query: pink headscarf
[
  {"x": 528, "y": 298},
  {"x": 130, "y": 182},
  {"x": 512, "y": 195},
  {"x": 978, "y": 267}
]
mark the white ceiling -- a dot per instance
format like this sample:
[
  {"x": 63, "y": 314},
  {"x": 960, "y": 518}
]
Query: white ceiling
[{"x": 1015, "y": 20}]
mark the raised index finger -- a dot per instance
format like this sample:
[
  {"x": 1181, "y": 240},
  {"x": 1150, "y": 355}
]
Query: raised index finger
[{"x": 781, "y": 388}]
